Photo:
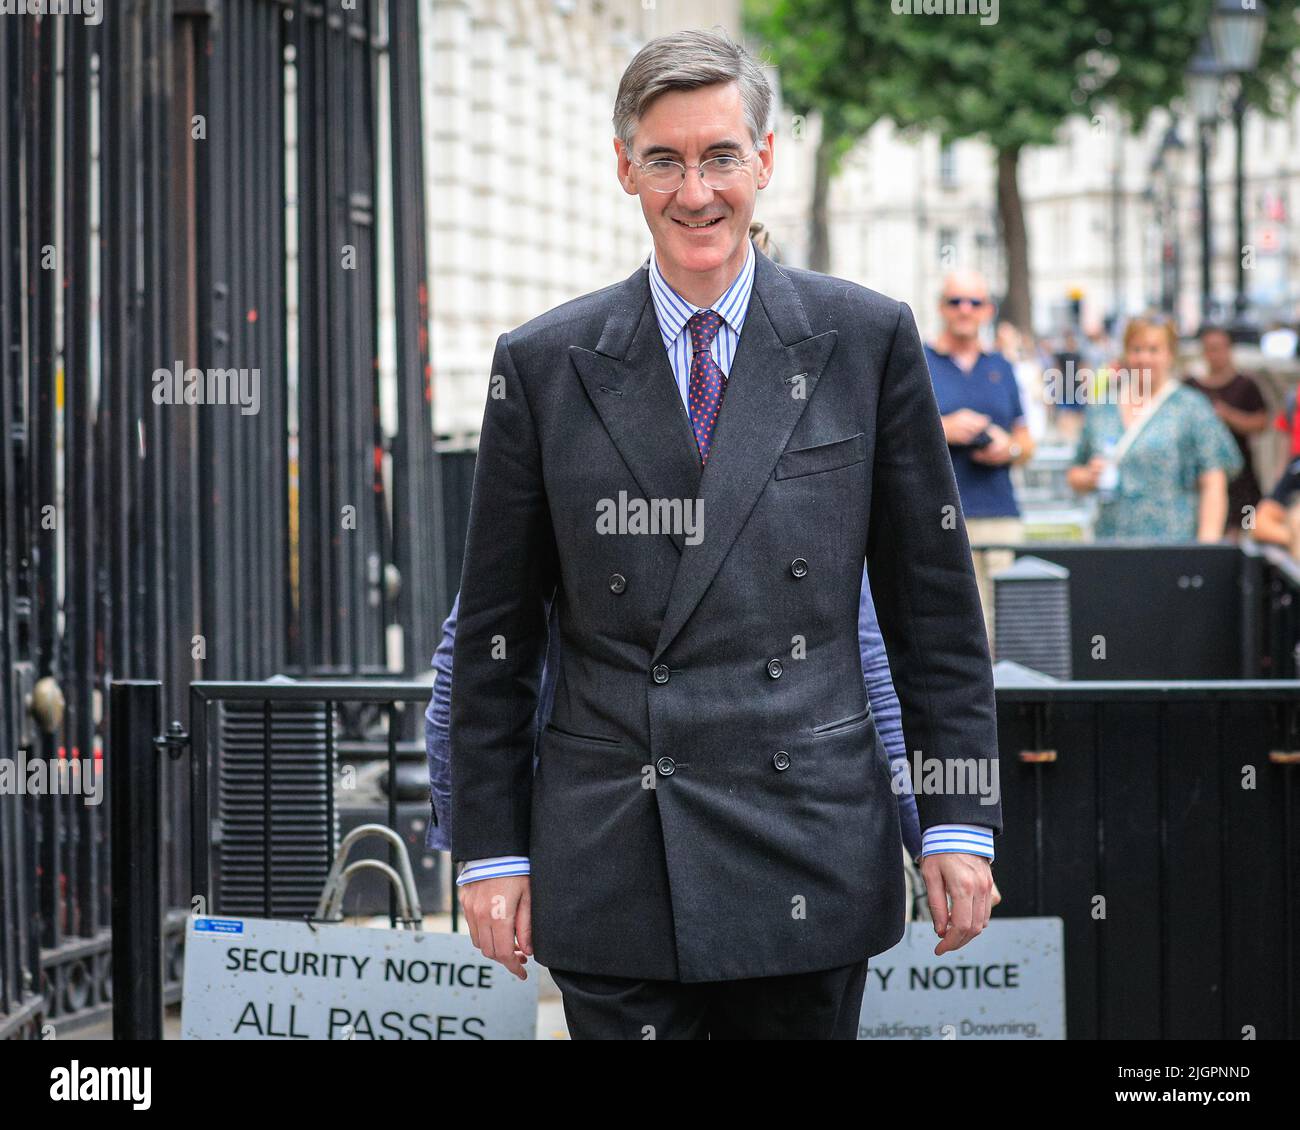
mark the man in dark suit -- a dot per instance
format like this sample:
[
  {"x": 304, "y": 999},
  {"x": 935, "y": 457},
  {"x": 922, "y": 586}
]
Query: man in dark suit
[{"x": 693, "y": 464}]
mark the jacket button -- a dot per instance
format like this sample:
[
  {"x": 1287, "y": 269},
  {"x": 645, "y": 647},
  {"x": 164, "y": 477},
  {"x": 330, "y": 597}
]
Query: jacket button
[
  {"x": 799, "y": 567},
  {"x": 774, "y": 668},
  {"x": 617, "y": 582},
  {"x": 666, "y": 767},
  {"x": 660, "y": 673},
  {"x": 781, "y": 759}
]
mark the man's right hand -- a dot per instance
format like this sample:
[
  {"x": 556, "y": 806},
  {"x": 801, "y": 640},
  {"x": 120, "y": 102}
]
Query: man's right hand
[
  {"x": 500, "y": 918},
  {"x": 962, "y": 426}
]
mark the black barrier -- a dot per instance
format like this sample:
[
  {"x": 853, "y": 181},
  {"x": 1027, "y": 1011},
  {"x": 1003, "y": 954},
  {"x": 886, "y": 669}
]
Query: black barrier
[
  {"x": 136, "y": 756},
  {"x": 1158, "y": 820},
  {"x": 1177, "y": 611},
  {"x": 1152, "y": 611},
  {"x": 203, "y": 802}
]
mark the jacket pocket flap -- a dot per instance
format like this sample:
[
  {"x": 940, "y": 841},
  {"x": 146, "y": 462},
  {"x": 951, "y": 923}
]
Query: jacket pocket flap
[
  {"x": 844, "y": 723},
  {"x": 823, "y": 457},
  {"x": 574, "y": 736}
]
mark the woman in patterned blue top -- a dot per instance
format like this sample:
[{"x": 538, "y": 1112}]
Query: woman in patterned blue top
[{"x": 1154, "y": 450}]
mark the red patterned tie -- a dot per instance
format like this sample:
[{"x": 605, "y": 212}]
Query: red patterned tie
[{"x": 707, "y": 381}]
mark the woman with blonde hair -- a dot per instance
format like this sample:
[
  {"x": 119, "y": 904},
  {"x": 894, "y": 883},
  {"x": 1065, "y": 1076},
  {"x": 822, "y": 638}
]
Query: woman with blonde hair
[{"x": 1154, "y": 451}]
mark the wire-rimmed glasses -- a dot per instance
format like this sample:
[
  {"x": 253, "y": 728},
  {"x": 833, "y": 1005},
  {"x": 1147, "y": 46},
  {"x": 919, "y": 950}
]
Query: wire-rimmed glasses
[{"x": 717, "y": 173}]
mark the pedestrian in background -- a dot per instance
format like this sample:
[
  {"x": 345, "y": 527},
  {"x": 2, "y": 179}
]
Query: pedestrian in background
[
  {"x": 1237, "y": 401},
  {"x": 1157, "y": 456},
  {"x": 984, "y": 424}
]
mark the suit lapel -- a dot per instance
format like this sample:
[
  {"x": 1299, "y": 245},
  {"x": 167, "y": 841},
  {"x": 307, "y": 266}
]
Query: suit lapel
[
  {"x": 759, "y": 411},
  {"x": 630, "y": 381}
]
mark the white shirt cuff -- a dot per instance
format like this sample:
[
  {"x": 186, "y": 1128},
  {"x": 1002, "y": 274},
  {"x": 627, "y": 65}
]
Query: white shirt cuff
[
  {"x": 973, "y": 839},
  {"x": 493, "y": 868}
]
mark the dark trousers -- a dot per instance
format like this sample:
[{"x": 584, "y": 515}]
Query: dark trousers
[{"x": 823, "y": 1005}]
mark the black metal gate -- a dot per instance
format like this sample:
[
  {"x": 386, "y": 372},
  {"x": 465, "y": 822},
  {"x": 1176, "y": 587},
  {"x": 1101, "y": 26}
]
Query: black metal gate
[{"x": 195, "y": 186}]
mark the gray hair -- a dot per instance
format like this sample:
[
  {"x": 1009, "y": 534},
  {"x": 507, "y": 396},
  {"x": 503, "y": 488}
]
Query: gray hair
[{"x": 687, "y": 60}]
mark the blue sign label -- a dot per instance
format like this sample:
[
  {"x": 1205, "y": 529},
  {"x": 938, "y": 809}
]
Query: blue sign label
[{"x": 218, "y": 926}]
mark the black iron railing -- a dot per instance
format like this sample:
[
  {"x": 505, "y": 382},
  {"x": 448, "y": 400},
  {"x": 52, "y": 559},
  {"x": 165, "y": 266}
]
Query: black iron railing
[{"x": 155, "y": 211}]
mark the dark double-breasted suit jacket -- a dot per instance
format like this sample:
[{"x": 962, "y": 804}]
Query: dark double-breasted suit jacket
[{"x": 711, "y": 799}]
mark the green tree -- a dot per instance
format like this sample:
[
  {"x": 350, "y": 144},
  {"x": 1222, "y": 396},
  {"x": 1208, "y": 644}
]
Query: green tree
[
  {"x": 1012, "y": 83},
  {"x": 822, "y": 71}
]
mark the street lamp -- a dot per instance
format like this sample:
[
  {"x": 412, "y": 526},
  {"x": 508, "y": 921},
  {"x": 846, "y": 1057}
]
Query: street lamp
[
  {"x": 1163, "y": 169},
  {"x": 1238, "y": 33},
  {"x": 1204, "y": 84},
  {"x": 1203, "y": 81}
]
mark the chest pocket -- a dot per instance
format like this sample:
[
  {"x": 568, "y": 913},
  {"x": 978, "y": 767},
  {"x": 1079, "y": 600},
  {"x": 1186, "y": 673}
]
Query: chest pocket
[{"x": 824, "y": 457}]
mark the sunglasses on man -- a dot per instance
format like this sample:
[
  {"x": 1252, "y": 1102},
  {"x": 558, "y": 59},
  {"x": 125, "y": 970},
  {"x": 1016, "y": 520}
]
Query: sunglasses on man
[{"x": 957, "y": 300}]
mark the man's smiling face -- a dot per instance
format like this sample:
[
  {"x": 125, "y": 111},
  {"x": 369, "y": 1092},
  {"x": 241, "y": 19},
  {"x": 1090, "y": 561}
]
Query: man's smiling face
[{"x": 690, "y": 126}]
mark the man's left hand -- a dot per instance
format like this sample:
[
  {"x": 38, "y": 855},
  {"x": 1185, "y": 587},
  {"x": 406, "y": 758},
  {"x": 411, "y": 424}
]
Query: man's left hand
[{"x": 968, "y": 881}]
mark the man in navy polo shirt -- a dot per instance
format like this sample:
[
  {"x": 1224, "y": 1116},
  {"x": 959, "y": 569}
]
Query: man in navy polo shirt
[{"x": 984, "y": 424}]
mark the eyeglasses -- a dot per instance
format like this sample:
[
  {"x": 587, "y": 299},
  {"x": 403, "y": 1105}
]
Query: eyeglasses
[
  {"x": 717, "y": 173},
  {"x": 956, "y": 301}
]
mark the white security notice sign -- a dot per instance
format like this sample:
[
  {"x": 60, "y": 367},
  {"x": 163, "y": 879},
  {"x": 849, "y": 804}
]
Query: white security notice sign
[
  {"x": 271, "y": 979},
  {"x": 1006, "y": 984}
]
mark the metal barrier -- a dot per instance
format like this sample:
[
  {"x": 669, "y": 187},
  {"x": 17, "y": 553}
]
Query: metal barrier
[
  {"x": 1159, "y": 820},
  {"x": 139, "y": 751},
  {"x": 1177, "y": 611}
]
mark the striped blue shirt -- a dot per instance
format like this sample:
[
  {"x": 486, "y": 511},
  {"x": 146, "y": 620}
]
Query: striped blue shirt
[{"x": 673, "y": 312}]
